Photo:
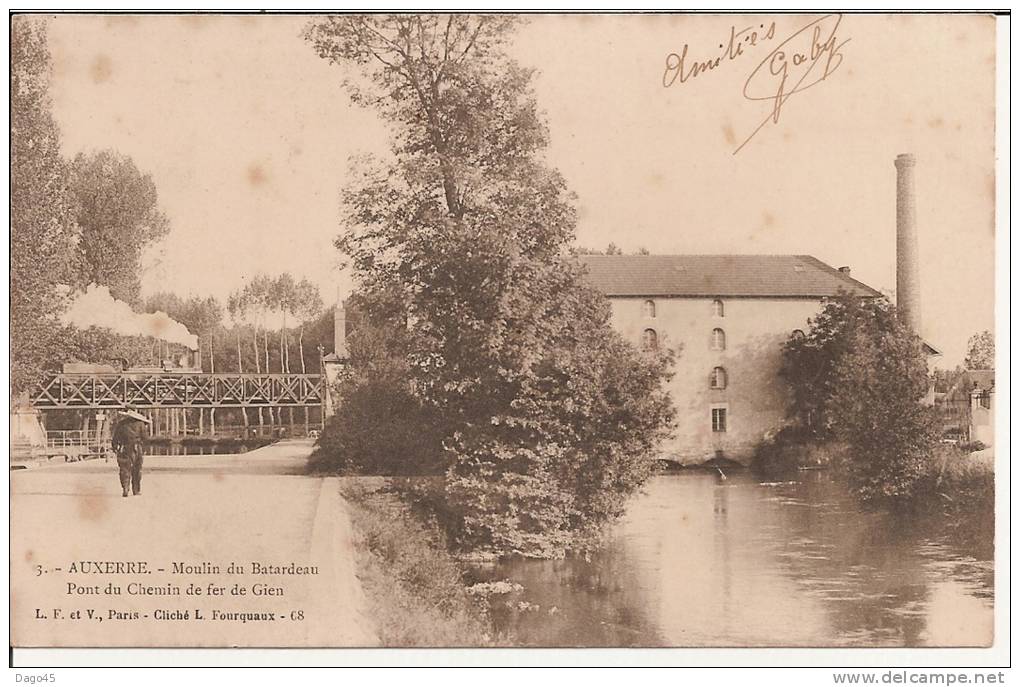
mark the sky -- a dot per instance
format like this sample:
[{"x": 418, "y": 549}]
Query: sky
[{"x": 247, "y": 134}]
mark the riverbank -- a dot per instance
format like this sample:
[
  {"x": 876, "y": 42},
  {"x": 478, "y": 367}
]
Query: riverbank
[
  {"x": 789, "y": 562},
  {"x": 956, "y": 488},
  {"x": 416, "y": 591}
]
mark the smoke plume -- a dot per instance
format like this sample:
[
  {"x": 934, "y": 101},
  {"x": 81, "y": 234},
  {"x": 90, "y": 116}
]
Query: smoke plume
[{"x": 97, "y": 308}]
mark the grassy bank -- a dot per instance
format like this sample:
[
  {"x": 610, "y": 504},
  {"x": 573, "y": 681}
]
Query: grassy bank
[
  {"x": 962, "y": 491},
  {"x": 415, "y": 588}
]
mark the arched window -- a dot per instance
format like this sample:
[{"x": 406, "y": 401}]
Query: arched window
[
  {"x": 650, "y": 340},
  {"x": 798, "y": 334},
  {"x": 718, "y": 378},
  {"x": 718, "y": 340},
  {"x": 717, "y": 308},
  {"x": 649, "y": 308}
]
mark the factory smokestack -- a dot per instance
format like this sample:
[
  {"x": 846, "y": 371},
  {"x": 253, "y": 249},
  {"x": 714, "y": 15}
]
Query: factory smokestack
[{"x": 908, "y": 277}]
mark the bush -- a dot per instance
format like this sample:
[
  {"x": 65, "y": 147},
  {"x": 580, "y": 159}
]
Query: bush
[
  {"x": 380, "y": 426},
  {"x": 795, "y": 448},
  {"x": 520, "y": 511},
  {"x": 379, "y": 429}
]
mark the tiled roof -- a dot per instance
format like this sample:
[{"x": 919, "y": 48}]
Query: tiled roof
[{"x": 793, "y": 276}]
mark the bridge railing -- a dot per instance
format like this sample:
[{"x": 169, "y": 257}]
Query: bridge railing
[
  {"x": 63, "y": 438},
  {"x": 177, "y": 390}
]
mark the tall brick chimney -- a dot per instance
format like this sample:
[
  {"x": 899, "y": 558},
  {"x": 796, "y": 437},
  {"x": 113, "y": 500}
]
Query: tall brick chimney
[{"x": 908, "y": 276}]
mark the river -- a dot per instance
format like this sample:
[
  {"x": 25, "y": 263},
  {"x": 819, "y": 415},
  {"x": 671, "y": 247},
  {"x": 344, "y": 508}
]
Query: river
[{"x": 701, "y": 561}]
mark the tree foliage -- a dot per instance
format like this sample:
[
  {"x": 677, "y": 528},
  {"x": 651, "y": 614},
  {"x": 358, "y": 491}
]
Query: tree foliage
[
  {"x": 200, "y": 315},
  {"x": 859, "y": 376},
  {"x": 611, "y": 249},
  {"x": 980, "y": 352},
  {"x": 461, "y": 240},
  {"x": 43, "y": 230},
  {"x": 383, "y": 428},
  {"x": 270, "y": 303},
  {"x": 72, "y": 224},
  {"x": 118, "y": 213}
]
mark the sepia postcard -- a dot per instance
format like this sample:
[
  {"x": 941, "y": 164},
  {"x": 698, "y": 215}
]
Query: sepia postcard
[{"x": 647, "y": 330}]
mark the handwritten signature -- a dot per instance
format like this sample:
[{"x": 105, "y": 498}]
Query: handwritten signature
[{"x": 789, "y": 69}]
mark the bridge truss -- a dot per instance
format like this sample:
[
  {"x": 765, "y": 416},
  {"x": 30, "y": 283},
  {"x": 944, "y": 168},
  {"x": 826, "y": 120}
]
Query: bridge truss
[{"x": 177, "y": 390}]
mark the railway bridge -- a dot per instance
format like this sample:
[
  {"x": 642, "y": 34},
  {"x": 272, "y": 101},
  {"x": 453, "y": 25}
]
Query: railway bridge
[
  {"x": 179, "y": 403},
  {"x": 100, "y": 391}
]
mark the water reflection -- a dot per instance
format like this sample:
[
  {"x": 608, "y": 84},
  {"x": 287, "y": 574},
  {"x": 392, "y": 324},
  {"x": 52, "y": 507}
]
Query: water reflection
[
  {"x": 700, "y": 561},
  {"x": 202, "y": 448}
]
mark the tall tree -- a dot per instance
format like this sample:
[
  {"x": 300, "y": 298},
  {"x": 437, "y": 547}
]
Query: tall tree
[
  {"x": 308, "y": 305},
  {"x": 43, "y": 230},
  {"x": 258, "y": 299},
  {"x": 119, "y": 215},
  {"x": 551, "y": 417},
  {"x": 284, "y": 297},
  {"x": 235, "y": 311},
  {"x": 980, "y": 352},
  {"x": 859, "y": 376}
]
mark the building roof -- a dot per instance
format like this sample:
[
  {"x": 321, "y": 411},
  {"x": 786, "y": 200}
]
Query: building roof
[
  {"x": 790, "y": 276},
  {"x": 972, "y": 380}
]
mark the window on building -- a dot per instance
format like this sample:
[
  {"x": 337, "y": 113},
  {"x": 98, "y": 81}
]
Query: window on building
[
  {"x": 798, "y": 334},
  {"x": 650, "y": 340},
  {"x": 718, "y": 378},
  {"x": 717, "y": 308},
  {"x": 718, "y": 340},
  {"x": 649, "y": 309},
  {"x": 718, "y": 419}
]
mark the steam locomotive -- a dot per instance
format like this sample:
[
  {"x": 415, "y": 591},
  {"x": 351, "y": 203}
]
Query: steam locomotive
[{"x": 190, "y": 361}]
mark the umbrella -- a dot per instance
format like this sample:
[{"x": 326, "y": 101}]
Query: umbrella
[{"x": 136, "y": 416}]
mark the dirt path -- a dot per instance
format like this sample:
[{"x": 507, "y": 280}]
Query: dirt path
[{"x": 287, "y": 533}]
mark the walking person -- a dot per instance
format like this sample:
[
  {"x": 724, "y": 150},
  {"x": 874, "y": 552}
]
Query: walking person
[{"x": 127, "y": 443}]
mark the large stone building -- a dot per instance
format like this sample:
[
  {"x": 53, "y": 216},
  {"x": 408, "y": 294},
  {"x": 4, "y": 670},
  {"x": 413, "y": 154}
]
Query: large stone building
[{"x": 728, "y": 317}]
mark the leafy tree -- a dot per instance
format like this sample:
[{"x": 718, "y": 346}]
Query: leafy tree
[
  {"x": 980, "y": 352},
  {"x": 235, "y": 312},
  {"x": 43, "y": 230},
  {"x": 71, "y": 224},
  {"x": 945, "y": 379},
  {"x": 383, "y": 427},
  {"x": 860, "y": 376},
  {"x": 307, "y": 306},
  {"x": 282, "y": 298},
  {"x": 809, "y": 363},
  {"x": 255, "y": 301},
  {"x": 461, "y": 240},
  {"x": 118, "y": 212},
  {"x": 200, "y": 315},
  {"x": 101, "y": 345}
]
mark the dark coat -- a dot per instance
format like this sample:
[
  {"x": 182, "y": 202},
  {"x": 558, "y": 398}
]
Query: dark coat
[{"x": 128, "y": 434}]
